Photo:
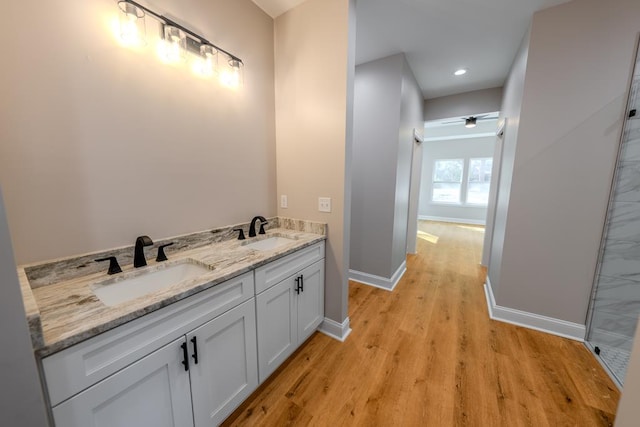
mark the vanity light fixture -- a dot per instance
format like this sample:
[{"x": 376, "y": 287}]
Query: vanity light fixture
[
  {"x": 177, "y": 41},
  {"x": 470, "y": 122},
  {"x": 460, "y": 72}
]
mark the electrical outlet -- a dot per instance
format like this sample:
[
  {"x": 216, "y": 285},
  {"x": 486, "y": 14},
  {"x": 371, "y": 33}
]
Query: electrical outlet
[
  {"x": 283, "y": 201},
  {"x": 324, "y": 204}
]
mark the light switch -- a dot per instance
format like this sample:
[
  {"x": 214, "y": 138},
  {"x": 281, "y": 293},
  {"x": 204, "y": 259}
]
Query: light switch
[
  {"x": 324, "y": 204},
  {"x": 283, "y": 201}
]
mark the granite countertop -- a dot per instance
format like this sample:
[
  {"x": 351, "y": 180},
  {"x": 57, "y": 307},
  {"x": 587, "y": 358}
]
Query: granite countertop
[{"x": 65, "y": 313}]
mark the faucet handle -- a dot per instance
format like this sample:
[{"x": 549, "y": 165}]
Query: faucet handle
[
  {"x": 114, "y": 267},
  {"x": 262, "y": 224},
  {"x": 161, "y": 255},
  {"x": 241, "y": 235}
]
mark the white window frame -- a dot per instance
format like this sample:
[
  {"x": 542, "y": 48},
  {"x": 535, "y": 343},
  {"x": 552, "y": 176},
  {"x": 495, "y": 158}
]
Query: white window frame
[
  {"x": 467, "y": 172},
  {"x": 462, "y": 186}
]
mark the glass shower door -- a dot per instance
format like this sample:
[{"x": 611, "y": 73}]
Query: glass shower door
[{"x": 615, "y": 304}]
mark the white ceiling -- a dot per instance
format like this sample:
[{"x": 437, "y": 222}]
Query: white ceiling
[
  {"x": 440, "y": 36},
  {"x": 275, "y": 8}
]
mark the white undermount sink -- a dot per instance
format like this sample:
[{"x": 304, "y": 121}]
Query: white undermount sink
[
  {"x": 117, "y": 292},
  {"x": 269, "y": 243}
]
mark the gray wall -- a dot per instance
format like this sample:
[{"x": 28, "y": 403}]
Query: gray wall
[
  {"x": 510, "y": 110},
  {"x": 21, "y": 401},
  {"x": 387, "y": 106},
  {"x": 464, "y": 104},
  {"x": 376, "y": 115},
  {"x": 452, "y": 149},
  {"x": 562, "y": 157},
  {"x": 409, "y": 159}
]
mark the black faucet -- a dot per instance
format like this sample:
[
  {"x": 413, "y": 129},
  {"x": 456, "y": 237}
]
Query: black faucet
[
  {"x": 252, "y": 228},
  {"x": 138, "y": 256}
]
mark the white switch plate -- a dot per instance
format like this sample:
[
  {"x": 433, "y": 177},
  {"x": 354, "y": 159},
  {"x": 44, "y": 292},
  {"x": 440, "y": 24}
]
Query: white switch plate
[
  {"x": 324, "y": 204},
  {"x": 284, "y": 203}
]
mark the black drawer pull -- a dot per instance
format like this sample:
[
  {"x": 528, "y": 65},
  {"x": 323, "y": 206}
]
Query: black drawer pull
[
  {"x": 297, "y": 279},
  {"x": 301, "y": 283},
  {"x": 185, "y": 356},
  {"x": 195, "y": 350}
]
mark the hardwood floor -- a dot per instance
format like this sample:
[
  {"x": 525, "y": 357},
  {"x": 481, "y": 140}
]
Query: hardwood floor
[{"x": 427, "y": 354}]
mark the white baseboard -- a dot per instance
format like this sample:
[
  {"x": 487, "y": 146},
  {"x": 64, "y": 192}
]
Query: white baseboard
[
  {"x": 335, "y": 330},
  {"x": 454, "y": 220},
  {"x": 550, "y": 325},
  {"x": 379, "y": 281}
]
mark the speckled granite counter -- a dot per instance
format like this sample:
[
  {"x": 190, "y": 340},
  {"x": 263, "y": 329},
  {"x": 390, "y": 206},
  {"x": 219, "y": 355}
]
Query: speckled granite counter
[{"x": 67, "y": 312}]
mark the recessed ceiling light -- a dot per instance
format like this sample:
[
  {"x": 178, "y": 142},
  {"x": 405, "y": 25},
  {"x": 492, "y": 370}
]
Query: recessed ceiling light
[{"x": 460, "y": 72}]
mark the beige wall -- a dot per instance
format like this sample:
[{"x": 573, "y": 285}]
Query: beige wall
[
  {"x": 100, "y": 144},
  {"x": 312, "y": 103}
]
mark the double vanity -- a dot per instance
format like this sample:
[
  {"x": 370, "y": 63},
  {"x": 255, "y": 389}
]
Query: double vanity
[{"x": 181, "y": 342}]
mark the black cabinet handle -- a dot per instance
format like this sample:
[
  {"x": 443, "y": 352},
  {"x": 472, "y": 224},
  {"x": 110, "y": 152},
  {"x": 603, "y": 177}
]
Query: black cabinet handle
[
  {"x": 195, "y": 350},
  {"x": 301, "y": 283},
  {"x": 185, "y": 356},
  {"x": 297, "y": 279}
]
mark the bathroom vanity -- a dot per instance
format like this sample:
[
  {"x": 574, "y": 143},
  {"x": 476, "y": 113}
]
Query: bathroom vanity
[{"x": 187, "y": 354}]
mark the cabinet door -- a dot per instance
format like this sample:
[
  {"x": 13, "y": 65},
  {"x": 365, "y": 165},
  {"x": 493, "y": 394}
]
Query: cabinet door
[
  {"x": 310, "y": 300},
  {"x": 225, "y": 371},
  {"x": 152, "y": 392},
  {"x": 277, "y": 332}
]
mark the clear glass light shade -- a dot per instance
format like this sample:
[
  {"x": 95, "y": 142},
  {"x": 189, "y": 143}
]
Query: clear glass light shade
[
  {"x": 206, "y": 64},
  {"x": 174, "y": 45},
  {"x": 232, "y": 75},
  {"x": 132, "y": 24}
]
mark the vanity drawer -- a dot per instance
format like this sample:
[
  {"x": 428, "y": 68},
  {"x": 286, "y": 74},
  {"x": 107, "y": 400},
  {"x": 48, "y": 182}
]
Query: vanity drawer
[
  {"x": 276, "y": 271},
  {"x": 84, "y": 364}
]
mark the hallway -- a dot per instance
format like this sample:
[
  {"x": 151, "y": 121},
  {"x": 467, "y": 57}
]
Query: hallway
[{"x": 427, "y": 354}]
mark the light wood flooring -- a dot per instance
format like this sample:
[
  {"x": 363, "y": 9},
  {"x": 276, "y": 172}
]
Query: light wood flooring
[{"x": 427, "y": 354}]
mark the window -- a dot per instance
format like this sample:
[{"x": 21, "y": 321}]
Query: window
[
  {"x": 479, "y": 181},
  {"x": 447, "y": 180}
]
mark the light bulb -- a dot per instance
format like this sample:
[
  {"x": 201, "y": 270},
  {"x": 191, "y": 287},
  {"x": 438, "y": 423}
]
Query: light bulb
[
  {"x": 172, "y": 48},
  {"x": 232, "y": 76},
  {"x": 131, "y": 28},
  {"x": 206, "y": 64}
]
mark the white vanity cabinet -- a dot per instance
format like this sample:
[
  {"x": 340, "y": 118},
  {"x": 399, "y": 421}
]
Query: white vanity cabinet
[
  {"x": 226, "y": 371},
  {"x": 206, "y": 370},
  {"x": 193, "y": 362},
  {"x": 289, "y": 305},
  {"x": 154, "y": 391}
]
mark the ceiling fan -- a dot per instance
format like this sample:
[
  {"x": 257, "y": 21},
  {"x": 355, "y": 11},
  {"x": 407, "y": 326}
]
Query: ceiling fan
[{"x": 470, "y": 122}]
